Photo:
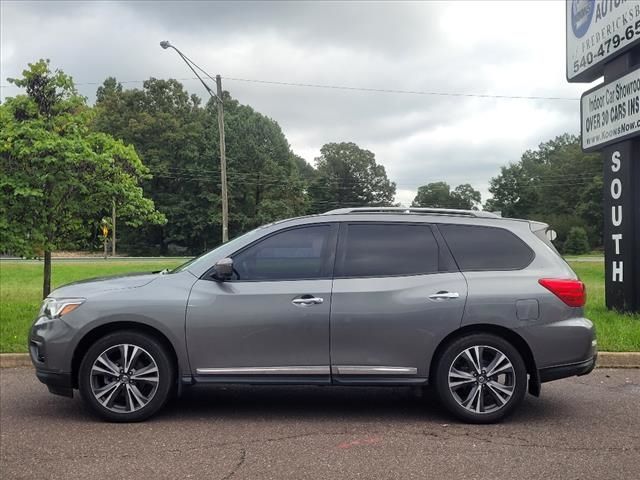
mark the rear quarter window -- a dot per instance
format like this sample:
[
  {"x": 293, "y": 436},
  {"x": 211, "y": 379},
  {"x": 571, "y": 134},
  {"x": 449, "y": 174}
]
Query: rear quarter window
[{"x": 478, "y": 248}]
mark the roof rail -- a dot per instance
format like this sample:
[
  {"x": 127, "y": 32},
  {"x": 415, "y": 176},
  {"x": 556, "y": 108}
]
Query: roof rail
[{"x": 415, "y": 210}]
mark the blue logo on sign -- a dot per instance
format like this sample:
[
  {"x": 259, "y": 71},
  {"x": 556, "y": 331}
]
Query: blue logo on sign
[{"x": 581, "y": 15}]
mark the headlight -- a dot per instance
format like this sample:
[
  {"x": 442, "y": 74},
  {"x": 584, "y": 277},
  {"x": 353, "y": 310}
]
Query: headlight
[{"x": 57, "y": 307}]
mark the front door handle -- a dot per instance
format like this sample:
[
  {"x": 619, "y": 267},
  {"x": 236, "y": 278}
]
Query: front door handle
[
  {"x": 307, "y": 301},
  {"x": 444, "y": 295}
]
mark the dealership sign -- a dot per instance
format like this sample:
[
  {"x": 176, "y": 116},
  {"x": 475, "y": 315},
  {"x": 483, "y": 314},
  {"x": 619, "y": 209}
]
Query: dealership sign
[
  {"x": 610, "y": 113},
  {"x": 597, "y": 31},
  {"x": 603, "y": 39}
]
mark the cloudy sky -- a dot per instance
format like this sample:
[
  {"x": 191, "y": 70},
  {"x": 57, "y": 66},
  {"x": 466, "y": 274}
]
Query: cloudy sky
[{"x": 474, "y": 48}]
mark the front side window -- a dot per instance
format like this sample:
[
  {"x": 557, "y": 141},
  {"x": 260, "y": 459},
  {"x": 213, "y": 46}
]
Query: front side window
[
  {"x": 292, "y": 254},
  {"x": 478, "y": 248},
  {"x": 382, "y": 250}
]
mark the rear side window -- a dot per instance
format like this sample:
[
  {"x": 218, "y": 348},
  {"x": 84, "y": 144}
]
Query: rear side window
[
  {"x": 486, "y": 248},
  {"x": 382, "y": 250},
  {"x": 292, "y": 254}
]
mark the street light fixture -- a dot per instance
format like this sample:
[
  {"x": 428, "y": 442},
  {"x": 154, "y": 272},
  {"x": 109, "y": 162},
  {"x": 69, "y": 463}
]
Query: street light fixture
[{"x": 223, "y": 160}]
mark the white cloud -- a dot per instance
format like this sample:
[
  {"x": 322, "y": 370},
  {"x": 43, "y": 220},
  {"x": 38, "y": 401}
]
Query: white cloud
[{"x": 504, "y": 48}]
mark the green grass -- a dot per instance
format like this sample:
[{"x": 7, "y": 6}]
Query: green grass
[
  {"x": 21, "y": 290},
  {"x": 616, "y": 332},
  {"x": 21, "y": 286}
]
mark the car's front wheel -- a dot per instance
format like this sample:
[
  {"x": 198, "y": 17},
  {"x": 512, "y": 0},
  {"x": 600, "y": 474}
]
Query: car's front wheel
[
  {"x": 126, "y": 376},
  {"x": 480, "y": 378}
]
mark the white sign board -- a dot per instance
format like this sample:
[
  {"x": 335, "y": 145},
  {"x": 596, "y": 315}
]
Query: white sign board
[
  {"x": 597, "y": 31},
  {"x": 610, "y": 113}
]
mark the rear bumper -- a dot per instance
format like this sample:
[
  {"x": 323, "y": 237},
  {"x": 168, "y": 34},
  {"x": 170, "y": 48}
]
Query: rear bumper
[{"x": 563, "y": 371}]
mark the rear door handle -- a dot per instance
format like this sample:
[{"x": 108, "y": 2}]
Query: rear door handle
[
  {"x": 444, "y": 295},
  {"x": 307, "y": 301}
]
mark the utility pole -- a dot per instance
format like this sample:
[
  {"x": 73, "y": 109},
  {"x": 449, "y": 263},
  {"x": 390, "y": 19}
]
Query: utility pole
[
  {"x": 113, "y": 228},
  {"x": 223, "y": 162},
  {"x": 223, "y": 159}
]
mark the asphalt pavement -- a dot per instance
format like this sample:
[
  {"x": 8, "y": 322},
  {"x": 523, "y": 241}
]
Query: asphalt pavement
[{"x": 580, "y": 428}]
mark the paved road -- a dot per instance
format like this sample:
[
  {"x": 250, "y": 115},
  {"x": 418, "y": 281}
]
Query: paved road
[{"x": 587, "y": 427}]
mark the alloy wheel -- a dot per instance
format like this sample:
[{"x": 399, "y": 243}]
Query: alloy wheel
[
  {"x": 482, "y": 379},
  {"x": 124, "y": 378}
]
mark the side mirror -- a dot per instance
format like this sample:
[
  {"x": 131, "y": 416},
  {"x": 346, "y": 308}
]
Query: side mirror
[{"x": 223, "y": 269}]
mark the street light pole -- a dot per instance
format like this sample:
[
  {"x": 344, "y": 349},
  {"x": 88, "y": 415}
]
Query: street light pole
[{"x": 223, "y": 159}]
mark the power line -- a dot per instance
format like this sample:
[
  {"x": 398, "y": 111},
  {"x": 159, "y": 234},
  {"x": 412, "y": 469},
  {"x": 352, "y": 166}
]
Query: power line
[
  {"x": 266, "y": 178},
  {"x": 356, "y": 89},
  {"x": 273, "y": 180},
  {"x": 405, "y": 92}
]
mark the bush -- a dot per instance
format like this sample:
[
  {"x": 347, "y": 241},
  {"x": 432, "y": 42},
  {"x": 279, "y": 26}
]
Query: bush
[{"x": 577, "y": 241}]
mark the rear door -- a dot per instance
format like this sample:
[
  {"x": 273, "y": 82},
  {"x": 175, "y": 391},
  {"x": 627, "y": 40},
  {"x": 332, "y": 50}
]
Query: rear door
[{"x": 396, "y": 294}]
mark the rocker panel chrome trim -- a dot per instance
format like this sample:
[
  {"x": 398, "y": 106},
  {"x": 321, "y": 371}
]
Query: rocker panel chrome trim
[
  {"x": 296, "y": 370},
  {"x": 370, "y": 370}
]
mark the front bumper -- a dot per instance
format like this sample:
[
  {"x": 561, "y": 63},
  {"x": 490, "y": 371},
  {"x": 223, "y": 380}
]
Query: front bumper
[
  {"x": 563, "y": 371},
  {"x": 48, "y": 348},
  {"x": 56, "y": 382}
]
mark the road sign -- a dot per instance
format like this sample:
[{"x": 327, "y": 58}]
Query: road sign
[
  {"x": 622, "y": 225},
  {"x": 597, "y": 32},
  {"x": 105, "y": 230},
  {"x": 610, "y": 113}
]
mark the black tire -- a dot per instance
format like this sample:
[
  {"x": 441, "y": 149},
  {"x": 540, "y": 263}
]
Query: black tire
[
  {"x": 515, "y": 379},
  {"x": 158, "y": 393}
]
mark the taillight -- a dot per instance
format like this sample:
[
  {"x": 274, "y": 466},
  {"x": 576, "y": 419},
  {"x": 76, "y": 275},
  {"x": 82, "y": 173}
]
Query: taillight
[{"x": 571, "y": 292}]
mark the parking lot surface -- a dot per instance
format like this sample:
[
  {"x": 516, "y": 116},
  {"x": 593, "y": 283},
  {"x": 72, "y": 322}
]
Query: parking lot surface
[{"x": 583, "y": 427}]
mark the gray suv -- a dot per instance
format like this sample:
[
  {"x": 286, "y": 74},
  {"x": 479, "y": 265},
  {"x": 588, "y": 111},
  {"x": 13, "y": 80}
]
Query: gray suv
[{"x": 479, "y": 307}]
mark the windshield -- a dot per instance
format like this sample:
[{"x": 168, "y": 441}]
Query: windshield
[
  {"x": 182, "y": 267},
  {"x": 229, "y": 245}
]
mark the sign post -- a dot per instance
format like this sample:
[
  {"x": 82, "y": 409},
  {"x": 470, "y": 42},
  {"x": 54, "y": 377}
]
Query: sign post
[
  {"x": 603, "y": 39},
  {"x": 105, "y": 236}
]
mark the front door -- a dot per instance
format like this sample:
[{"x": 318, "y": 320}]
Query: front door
[
  {"x": 396, "y": 295},
  {"x": 270, "y": 323}
]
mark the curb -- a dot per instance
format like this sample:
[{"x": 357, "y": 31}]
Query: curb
[
  {"x": 618, "y": 360},
  {"x": 11, "y": 360},
  {"x": 605, "y": 360}
]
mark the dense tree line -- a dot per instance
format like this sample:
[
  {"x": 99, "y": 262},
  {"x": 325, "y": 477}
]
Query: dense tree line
[
  {"x": 177, "y": 138},
  {"x": 557, "y": 184},
  {"x": 154, "y": 152},
  {"x": 440, "y": 195}
]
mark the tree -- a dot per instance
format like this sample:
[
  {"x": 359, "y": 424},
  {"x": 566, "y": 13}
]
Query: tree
[
  {"x": 265, "y": 181},
  {"x": 513, "y": 194},
  {"x": 557, "y": 181},
  {"x": 439, "y": 195},
  {"x": 177, "y": 138},
  {"x": 466, "y": 197},
  {"x": 58, "y": 176},
  {"x": 577, "y": 242},
  {"x": 174, "y": 137},
  {"x": 434, "y": 195},
  {"x": 348, "y": 176},
  {"x": 307, "y": 172}
]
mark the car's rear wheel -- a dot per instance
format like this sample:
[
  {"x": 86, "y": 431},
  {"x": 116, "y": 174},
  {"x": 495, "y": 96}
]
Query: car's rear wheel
[
  {"x": 480, "y": 378},
  {"x": 126, "y": 376}
]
